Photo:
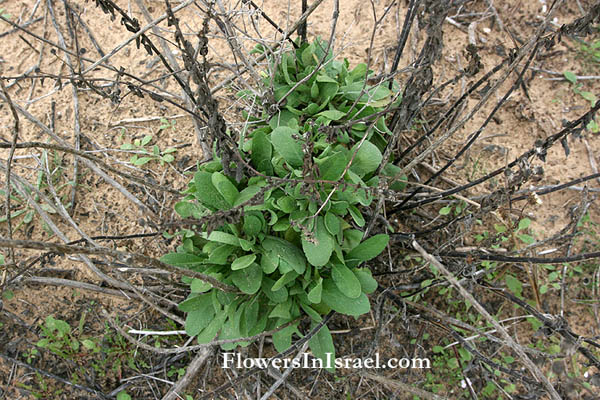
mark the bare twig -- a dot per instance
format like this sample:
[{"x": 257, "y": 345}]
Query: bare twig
[
  {"x": 190, "y": 373},
  {"x": 399, "y": 385},
  {"x": 535, "y": 371}
]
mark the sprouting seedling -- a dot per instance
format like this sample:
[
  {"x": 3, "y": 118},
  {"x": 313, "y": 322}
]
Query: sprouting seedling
[
  {"x": 146, "y": 153},
  {"x": 589, "y": 96},
  {"x": 166, "y": 124}
]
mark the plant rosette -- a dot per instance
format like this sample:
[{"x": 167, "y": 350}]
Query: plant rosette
[{"x": 297, "y": 248}]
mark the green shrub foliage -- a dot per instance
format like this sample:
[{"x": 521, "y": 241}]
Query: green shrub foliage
[{"x": 298, "y": 246}]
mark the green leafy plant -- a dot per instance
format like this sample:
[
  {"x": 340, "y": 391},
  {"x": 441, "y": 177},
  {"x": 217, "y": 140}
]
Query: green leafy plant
[
  {"x": 592, "y": 126},
  {"x": 57, "y": 338},
  {"x": 145, "y": 153},
  {"x": 22, "y": 211},
  {"x": 590, "y": 52},
  {"x": 123, "y": 396},
  {"x": 297, "y": 249}
]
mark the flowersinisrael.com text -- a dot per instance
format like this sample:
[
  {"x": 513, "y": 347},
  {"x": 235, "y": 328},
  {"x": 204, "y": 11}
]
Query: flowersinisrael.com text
[{"x": 231, "y": 360}]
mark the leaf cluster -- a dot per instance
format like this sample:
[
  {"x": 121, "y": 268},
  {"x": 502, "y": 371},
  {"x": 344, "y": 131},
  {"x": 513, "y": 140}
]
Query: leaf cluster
[{"x": 297, "y": 250}]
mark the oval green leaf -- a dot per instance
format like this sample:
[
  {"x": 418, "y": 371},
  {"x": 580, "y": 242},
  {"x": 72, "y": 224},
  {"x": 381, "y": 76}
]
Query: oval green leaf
[
  {"x": 289, "y": 148},
  {"x": 249, "y": 279},
  {"x": 343, "y": 304},
  {"x": 319, "y": 249},
  {"x": 346, "y": 281},
  {"x": 243, "y": 262},
  {"x": 369, "y": 249}
]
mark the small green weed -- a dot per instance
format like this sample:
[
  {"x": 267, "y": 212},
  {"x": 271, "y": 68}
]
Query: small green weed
[
  {"x": 19, "y": 201},
  {"x": 145, "y": 153},
  {"x": 593, "y": 125}
]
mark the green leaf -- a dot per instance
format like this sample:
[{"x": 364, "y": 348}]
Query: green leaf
[
  {"x": 222, "y": 237},
  {"x": 325, "y": 78},
  {"x": 243, "y": 262},
  {"x": 332, "y": 167},
  {"x": 206, "y": 192},
  {"x": 142, "y": 161},
  {"x": 365, "y": 277},
  {"x": 314, "y": 90},
  {"x": 571, "y": 77},
  {"x": 14, "y": 214},
  {"x": 209, "y": 333},
  {"x": 252, "y": 225},
  {"x": 374, "y": 96},
  {"x": 262, "y": 152},
  {"x": 28, "y": 217},
  {"x": 287, "y": 204},
  {"x": 308, "y": 55},
  {"x": 282, "y": 118},
  {"x": 281, "y": 310},
  {"x": 321, "y": 345},
  {"x": 318, "y": 252},
  {"x": 269, "y": 262},
  {"x": 333, "y": 115},
  {"x": 246, "y": 194},
  {"x": 185, "y": 209},
  {"x": 356, "y": 215},
  {"x": 284, "y": 280},
  {"x": 524, "y": 223},
  {"x": 286, "y": 251},
  {"x": 197, "y": 320},
  {"x": 249, "y": 279},
  {"x": 146, "y": 140},
  {"x": 314, "y": 296},
  {"x": 289, "y": 148},
  {"x": 276, "y": 296},
  {"x": 220, "y": 254},
  {"x": 282, "y": 340},
  {"x": 327, "y": 90},
  {"x": 199, "y": 286},
  {"x": 341, "y": 303},
  {"x": 284, "y": 68},
  {"x": 514, "y": 285},
  {"x": 346, "y": 281},
  {"x": 184, "y": 260},
  {"x": 123, "y": 396},
  {"x": 367, "y": 158},
  {"x": 168, "y": 158},
  {"x": 359, "y": 72},
  {"x": 445, "y": 210},
  {"x": 88, "y": 344},
  {"x": 250, "y": 317},
  {"x": 332, "y": 223},
  {"x": 7, "y": 294},
  {"x": 225, "y": 187},
  {"x": 500, "y": 228},
  {"x": 370, "y": 248},
  {"x": 311, "y": 312},
  {"x": 527, "y": 239},
  {"x": 195, "y": 302},
  {"x": 589, "y": 96}
]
